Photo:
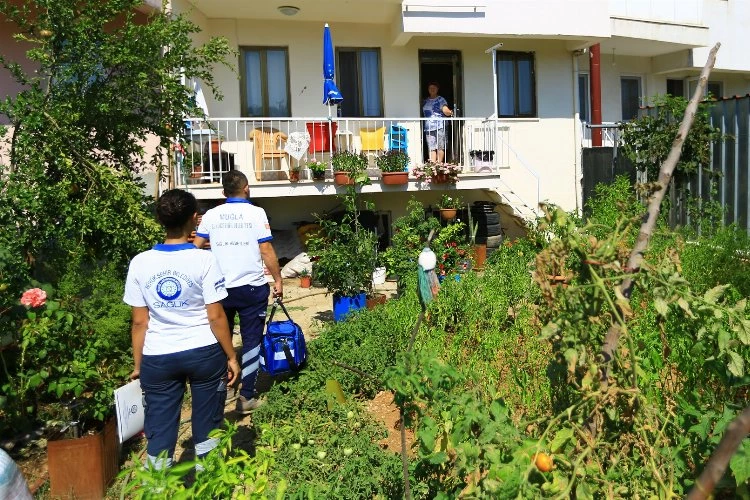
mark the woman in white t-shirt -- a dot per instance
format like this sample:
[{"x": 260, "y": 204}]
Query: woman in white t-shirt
[{"x": 180, "y": 332}]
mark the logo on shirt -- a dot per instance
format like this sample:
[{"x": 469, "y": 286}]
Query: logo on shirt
[
  {"x": 168, "y": 288},
  {"x": 220, "y": 284}
]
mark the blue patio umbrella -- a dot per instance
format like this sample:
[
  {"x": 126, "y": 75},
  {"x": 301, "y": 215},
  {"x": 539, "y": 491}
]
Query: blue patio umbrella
[{"x": 331, "y": 94}]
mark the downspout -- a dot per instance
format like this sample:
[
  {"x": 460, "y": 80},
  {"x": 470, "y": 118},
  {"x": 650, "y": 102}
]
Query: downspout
[{"x": 596, "y": 96}]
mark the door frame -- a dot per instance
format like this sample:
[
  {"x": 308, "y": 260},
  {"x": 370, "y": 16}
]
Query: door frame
[{"x": 444, "y": 56}]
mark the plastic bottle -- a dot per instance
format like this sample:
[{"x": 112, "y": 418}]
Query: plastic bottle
[{"x": 427, "y": 259}]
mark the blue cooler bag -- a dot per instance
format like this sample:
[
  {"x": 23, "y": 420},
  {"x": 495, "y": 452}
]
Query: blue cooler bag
[{"x": 283, "y": 345}]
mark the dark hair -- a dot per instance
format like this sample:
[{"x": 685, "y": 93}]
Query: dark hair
[
  {"x": 175, "y": 207},
  {"x": 433, "y": 83},
  {"x": 233, "y": 182}
]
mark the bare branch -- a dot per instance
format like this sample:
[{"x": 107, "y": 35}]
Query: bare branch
[
  {"x": 737, "y": 430},
  {"x": 611, "y": 339}
]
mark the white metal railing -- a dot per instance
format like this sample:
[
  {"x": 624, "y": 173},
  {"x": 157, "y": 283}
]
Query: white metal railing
[
  {"x": 265, "y": 148},
  {"x": 610, "y": 134}
]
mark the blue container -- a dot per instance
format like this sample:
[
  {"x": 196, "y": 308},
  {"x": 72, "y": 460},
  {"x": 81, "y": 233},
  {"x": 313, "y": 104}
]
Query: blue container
[{"x": 342, "y": 305}]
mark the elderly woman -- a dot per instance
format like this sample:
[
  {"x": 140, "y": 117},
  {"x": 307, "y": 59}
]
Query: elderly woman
[
  {"x": 180, "y": 332},
  {"x": 435, "y": 108}
]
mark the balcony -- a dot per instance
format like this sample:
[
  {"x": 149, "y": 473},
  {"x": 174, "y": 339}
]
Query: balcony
[{"x": 265, "y": 149}]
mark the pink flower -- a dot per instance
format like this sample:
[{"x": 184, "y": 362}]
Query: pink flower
[{"x": 34, "y": 297}]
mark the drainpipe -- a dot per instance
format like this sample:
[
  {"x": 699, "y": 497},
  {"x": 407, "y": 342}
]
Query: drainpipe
[{"x": 596, "y": 96}]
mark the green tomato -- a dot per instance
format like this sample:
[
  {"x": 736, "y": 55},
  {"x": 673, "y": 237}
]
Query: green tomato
[
  {"x": 321, "y": 455},
  {"x": 350, "y": 414},
  {"x": 311, "y": 441},
  {"x": 348, "y": 451},
  {"x": 296, "y": 446}
]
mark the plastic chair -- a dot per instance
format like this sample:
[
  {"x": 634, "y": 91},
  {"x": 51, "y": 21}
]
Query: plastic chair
[
  {"x": 397, "y": 138},
  {"x": 321, "y": 134},
  {"x": 372, "y": 140},
  {"x": 267, "y": 144}
]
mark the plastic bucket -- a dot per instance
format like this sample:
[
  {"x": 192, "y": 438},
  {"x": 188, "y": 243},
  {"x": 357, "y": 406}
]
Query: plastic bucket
[
  {"x": 378, "y": 276},
  {"x": 343, "y": 306}
]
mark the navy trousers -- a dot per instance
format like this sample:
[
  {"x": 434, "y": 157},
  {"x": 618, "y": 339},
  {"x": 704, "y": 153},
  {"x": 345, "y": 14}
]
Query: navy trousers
[
  {"x": 250, "y": 302},
  {"x": 163, "y": 379}
]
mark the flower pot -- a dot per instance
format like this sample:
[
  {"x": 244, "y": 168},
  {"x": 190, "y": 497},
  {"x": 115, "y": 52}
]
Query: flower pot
[
  {"x": 395, "y": 178},
  {"x": 448, "y": 213},
  {"x": 480, "y": 255},
  {"x": 378, "y": 276},
  {"x": 376, "y": 300},
  {"x": 343, "y": 179},
  {"x": 305, "y": 281},
  {"x": 343, "y": 305},
  {"x": 440, "y": 179},
  {"x": 318, "y": 176},
  {"x": 294, "y": 176},
  {"x": 83, "y": 467}
]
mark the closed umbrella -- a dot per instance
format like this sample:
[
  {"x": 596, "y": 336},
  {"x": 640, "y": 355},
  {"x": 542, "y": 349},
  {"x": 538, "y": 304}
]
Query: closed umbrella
[{"x": 331, "y": 93}]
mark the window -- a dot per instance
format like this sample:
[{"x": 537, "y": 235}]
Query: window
[
  {"x": 583, "y": 98},
  {"x": 516, "y": 86},
  {"x": 675, "y": 88},
  {"x": 716, "y": 89},
  {"x": 359, "y": 82},
  {"x": 264, "y": 81},
  {"x": 630, "y": 96}
]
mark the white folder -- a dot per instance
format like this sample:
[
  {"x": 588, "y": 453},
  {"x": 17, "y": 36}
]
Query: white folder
[{"x": 129, "y": 409}]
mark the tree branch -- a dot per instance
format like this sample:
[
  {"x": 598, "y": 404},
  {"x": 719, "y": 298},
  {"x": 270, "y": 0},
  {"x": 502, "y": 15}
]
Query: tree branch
[
  {"x": 737, "y": 430},
  {"x": 611, "y": 339}
]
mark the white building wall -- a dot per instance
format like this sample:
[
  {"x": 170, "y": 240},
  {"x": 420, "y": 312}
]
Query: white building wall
[{"x": 728, "y": 22}]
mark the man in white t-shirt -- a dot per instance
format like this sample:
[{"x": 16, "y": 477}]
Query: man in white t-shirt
[{"x": 241, "y": 241}]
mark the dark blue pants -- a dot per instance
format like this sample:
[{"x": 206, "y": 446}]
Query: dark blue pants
[
  {"x": 250, "y": 302},
  {"x": 163, "y": 379}
]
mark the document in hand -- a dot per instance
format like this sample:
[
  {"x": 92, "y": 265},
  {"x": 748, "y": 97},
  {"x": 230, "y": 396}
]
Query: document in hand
[{"x": 129, "y": 408}]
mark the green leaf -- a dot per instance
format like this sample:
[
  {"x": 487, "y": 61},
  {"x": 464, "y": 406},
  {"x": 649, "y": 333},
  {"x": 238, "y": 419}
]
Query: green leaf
[
  {"x": 744, "y": 331},
  {"x": 550, "y": 330},
  {"x": 561, "y": 439},
  {"x": 438, "y": 458},
  {"x": 662, "y": 308},
  {"x": 736, "y": 364},
  {"x": 740, "y": 463},
  {"x": 723, "y": 340},
  {"x": 713, "y": 295}
]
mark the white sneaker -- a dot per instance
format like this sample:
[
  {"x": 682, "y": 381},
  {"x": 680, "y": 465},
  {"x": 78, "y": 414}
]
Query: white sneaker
[{"x": 245, "y": 406}]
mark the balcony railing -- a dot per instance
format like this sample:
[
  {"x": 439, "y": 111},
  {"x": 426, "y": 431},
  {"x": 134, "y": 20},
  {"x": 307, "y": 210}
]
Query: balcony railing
[{"x": 265, "y": 149}]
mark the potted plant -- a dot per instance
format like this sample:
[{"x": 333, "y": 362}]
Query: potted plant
[
  {"x": 349, "y": 168},
  {"x": 318, "y": 169},
  {"x": 480, "y": 249},
  {"x": 294, "y": 173},
  {"x": 344, "y": 253},
  {"x": 305, "y": 280},
  {"x": 437, "y": 173},
  {"x": 394, "y": 167},
  {"x": 449, "y": 206}
]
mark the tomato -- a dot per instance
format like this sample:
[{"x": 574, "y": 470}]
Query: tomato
[
  {"x": 543, "y": 462},
  {"x": 45, "y": 33}
]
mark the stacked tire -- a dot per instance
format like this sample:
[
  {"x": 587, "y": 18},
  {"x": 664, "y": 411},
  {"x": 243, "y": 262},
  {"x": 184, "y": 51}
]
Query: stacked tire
[{"x": 489, "y": 228}]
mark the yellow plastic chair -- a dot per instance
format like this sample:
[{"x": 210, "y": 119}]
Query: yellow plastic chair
[{"x": 373, "y": 140}]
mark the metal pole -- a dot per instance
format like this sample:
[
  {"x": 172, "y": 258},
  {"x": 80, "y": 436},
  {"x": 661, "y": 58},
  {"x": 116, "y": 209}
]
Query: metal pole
[{"x": 596, "y": 95}]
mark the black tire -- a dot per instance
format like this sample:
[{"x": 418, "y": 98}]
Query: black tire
[
  {"x": 490, "y": 251},
  {"x": 480, "y": 240},
  {"x": 490, "y": 230},
  {"x": 494, "y": 241},
  {"x": 486, "y": 219}
]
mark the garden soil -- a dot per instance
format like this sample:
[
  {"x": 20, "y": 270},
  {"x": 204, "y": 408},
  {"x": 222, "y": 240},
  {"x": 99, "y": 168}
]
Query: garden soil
[{"x": 311, "y": 308}]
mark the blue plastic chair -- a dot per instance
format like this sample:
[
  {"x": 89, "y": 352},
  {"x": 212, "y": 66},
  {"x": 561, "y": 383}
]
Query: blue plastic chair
[{"x": 397, "y": 139}]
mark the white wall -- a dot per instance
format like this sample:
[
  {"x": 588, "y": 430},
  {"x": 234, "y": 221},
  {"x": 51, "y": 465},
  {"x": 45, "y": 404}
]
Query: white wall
[{"x": 728, "y": 22}]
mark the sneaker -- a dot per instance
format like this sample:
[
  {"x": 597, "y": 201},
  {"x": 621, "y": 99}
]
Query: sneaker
[{"x": 245, "y": 406}]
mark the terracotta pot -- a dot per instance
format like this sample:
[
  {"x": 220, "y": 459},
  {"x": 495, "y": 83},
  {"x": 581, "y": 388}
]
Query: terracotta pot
[
  {"x": 480, "y": 255},
  {"x": 294, "y": 176},
  {"x": 395, "y": 178},
  {"x": 305, "y": 281},
  {"x": 448, "y": 213},
  {"x": 342, "y": 179},
  {"x": 376, "y": 300},
  {"x": 83, "y": 467},
  {"x": 440, "y": 179}
]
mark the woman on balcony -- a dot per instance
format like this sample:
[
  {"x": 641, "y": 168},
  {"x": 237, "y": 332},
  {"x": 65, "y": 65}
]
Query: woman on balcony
[{"x": 435, "y": 108}]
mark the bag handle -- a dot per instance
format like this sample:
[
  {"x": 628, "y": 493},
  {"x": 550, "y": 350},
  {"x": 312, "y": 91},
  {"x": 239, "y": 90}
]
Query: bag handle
[
  {"x": 289, "y": 358},
  {"x": 277, "y": 302}
]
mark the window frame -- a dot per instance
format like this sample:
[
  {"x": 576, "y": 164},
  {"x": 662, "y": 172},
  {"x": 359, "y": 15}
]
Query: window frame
[
  {"x": 516, "y": 57},
  {"x": 584, "y": 108},
  {"x": 360, "y": 104},
  {"x": 262, "y": 49},
  {"x": 641, "y": 93}
]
